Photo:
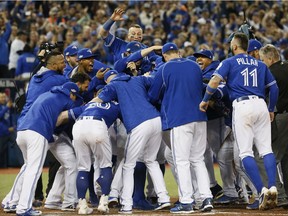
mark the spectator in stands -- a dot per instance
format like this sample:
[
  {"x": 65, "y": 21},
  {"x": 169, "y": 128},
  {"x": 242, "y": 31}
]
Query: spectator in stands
[
  {"x": 5, "y": 31},
  {"x": 5, "y": 128},
  {"x": 17, "y": 45}
]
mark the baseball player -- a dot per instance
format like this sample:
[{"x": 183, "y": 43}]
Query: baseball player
[
  {"x": 217, "y": 132},
  {"x": 134, "y": 63},
  {"x": 118, "y": 47},
  {"x": 95, "y": 69},
  {"x": 115, "y": 44},
  {"x": 253, "y": 48},
  {"x": 34, "y": 131},
  {"x": 70, "y": 54},
  {"x": 246, "y": 79},
  {"x": 172, "y": 85},
  {"x": 144, "y": 133}
]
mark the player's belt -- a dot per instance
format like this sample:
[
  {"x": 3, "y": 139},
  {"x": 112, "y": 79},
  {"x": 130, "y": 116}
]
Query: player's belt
[
  {"x": 89, "y": 118},
  {"x": 247, "y": 98}
]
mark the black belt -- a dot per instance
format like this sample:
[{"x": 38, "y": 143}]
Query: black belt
[
  {"x": 89, "y": 118},
  {"x": 246, "y": 98}
]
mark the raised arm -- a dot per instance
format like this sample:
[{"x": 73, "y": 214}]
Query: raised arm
[{"x": 116, "y": 16}]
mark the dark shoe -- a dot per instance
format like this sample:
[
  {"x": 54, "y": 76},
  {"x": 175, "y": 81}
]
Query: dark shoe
[
  {"x": 152, "y": 200},
  {"x": 113, "y": 202},
  {"x": 207, "y": 205},
  {"x": 37, "y": 203},
  {"x": 69, "y": 208},
  {"x": 225, "y": 200},
  {"x": 253, "y": 206},
  {"x": 10, "y": 209},
  {"x": 216, "y": 191},
  {"x": 182, "y": 209}
]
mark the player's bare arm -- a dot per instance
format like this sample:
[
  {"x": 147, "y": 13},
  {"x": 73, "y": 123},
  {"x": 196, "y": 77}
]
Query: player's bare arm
[
  {"x": 116, "y": 16},
  {"x": 210, "y": 90},
  {"x": 62, "y": 118}
]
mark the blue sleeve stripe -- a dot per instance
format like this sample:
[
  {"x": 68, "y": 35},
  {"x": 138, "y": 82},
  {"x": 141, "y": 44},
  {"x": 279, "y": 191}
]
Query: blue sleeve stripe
[
  {"x": 270, "y": 84},
  {"x": 72, "y": 114}
]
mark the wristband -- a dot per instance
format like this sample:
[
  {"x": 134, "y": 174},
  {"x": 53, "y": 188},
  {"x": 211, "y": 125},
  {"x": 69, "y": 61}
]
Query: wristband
[
  {"x": 107, "y": 25},
  {"x": 208, "y": 94},
  {"x": 206, "y": 97}
]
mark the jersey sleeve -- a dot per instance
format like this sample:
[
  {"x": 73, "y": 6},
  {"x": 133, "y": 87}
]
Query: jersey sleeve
[
  {"x": 222, "y": 70},
  {"x": 157, "y": 88},
  {"x": 108, "y": 94}
]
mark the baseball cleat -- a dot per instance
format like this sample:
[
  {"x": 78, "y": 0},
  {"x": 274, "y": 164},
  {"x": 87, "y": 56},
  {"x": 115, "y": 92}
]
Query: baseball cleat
[
  {"x": 207, "y": 205},
  {"x": 83, "y": 207},
  {"x": 164, "y": 205},
  {"x": 9, "y": 209},
  {"x": 103, "y": 204},
  {"x": 273, "y": 198},
  {"x": 55, "y": 206},
  {"x": 30, "y": 212},
  {"x": 182, "y": 209},
  {"x": 253, "y": 206},
  {"x": 263, "y": 198},
  {"x": 225, "y": 199},
  {"x": 125, "y": 211}
]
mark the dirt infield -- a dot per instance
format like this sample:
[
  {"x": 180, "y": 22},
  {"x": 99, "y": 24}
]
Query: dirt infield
[{"x": 219, "y": 210}]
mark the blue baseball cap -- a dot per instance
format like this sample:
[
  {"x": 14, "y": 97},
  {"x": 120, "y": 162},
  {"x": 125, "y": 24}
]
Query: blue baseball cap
[
  {"x": 254, "y": 45},
  {"x": 109, "y": 73},
  {"x": 207, "y": 53},
  {"x": 169, "y": 46},
  {"x": 72, "y": 88},
  {"x": 71, "y": 50},
  {"x": 193, "y": 58},
  {"x": 84, "y": 54},
  {"x": 133, "y": 46}
]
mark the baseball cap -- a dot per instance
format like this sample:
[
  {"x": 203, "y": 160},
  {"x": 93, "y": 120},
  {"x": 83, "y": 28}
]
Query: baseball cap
[
  {"x": 85, "y": 53},
  {"x": 204, "y": 52},
  {"x": 169, "y": 46},
  {"x": 193, "y": 58},
  {"x": 254, "y": 45},
  {"x": 71, "y": 50},
  {"x": 109, "y": 73},
  {"x": 133, "y": 46},
  {"x": 71, "y": 87}
]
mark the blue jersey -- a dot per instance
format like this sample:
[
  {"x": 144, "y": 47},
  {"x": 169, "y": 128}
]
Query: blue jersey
[
  {"x": 245, "y": 76},
  {"x": 178, "y": 84},
  {"x": 131, "y": 93},
  {"x": 209, "y": 70},
  {"x": 4, "y": 48},
  {"x": 5, "y": 120},
  {"x": 26, "y": 63},
  {"x": 107, "y": 111},
  {"x": 121, "y": 64},
  {"x": 67, "y": 69},
  {"x": 42, "y": 115},
  {"x": 40, "y": 83},
  {"x": 116, "y": 45}
]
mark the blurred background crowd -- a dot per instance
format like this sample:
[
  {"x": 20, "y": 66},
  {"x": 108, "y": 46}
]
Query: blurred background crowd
[{"x": 191, "y": 25}]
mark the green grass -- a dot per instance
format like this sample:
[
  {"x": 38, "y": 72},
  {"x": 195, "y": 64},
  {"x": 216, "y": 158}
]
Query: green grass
[{"x": 6, "y": 182}]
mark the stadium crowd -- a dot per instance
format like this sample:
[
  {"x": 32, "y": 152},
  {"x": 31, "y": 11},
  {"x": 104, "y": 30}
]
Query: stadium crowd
[{"x": 106, "y": 43}]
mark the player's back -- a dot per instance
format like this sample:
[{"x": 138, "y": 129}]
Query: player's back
[{"x": 245, "y": 76}]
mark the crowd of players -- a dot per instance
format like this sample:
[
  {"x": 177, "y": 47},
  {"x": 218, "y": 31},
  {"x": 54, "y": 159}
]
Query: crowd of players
[{"x": 64, "y": 82}]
